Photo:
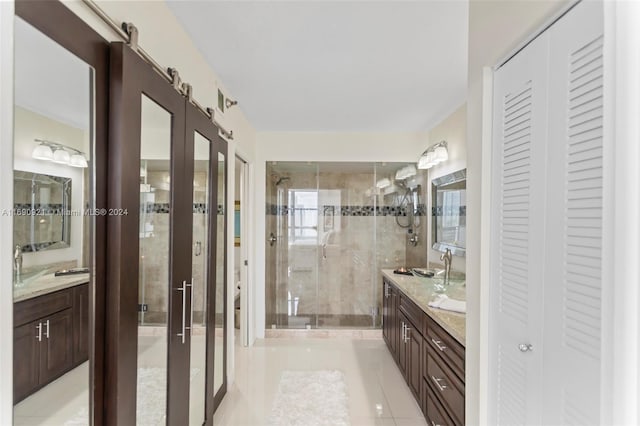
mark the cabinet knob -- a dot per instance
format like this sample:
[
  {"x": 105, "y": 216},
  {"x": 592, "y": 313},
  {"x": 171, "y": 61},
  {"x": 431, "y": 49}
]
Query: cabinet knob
[{"x": 525, "y": 347}]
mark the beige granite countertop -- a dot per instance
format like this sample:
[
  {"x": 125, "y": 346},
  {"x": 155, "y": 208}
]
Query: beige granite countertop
[
  {"x": 44, "y": 284},
  {"x": 421, "y": 292}
]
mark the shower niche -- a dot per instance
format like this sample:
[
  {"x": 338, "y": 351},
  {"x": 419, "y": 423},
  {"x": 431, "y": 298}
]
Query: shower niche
[{"x": 330, "y": 229}]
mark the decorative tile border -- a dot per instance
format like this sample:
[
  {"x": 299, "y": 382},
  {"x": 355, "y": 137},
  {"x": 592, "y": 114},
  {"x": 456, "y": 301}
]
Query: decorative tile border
[
  {"x": 198, "y": 208},
  {"x": 438, "y": 211},
  {"x": 327, "y": 210}
]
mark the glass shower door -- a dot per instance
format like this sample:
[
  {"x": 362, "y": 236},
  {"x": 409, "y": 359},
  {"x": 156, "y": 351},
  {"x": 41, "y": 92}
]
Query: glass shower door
[{"x": 346, "y": 236}]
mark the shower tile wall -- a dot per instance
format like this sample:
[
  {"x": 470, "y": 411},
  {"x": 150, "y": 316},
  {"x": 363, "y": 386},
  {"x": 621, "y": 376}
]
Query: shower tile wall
[
  {"x": 154, "y": 273},
  {"x": 154, "y": 246}
]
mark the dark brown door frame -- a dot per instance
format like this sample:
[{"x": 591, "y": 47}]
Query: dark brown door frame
[
  {"x": 57, "y": 22},
  {"x": 196, "y": 121},
  {"x": 131, "y": 77}
]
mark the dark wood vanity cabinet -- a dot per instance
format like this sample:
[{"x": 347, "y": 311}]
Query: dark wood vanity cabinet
[
  {"x": 430, "y": 359},
  {"x": 50, "y": 338}
]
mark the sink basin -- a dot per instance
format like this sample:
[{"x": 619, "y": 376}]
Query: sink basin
[{"x": 28, "y": 278}]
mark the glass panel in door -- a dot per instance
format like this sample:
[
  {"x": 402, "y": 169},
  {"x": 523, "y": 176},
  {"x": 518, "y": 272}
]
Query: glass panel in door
[
  {"x": 346, "y": 235},
  {"x": 154, "y": 260},
  {"x": 200, "y": 277},
  {"x": 219, "y": 360}
]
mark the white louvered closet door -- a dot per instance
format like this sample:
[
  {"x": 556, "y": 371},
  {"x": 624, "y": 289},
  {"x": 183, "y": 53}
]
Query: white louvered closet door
[
  {"x": 518, "y": 227},
  {"x": 547, "y": 228},
  {"x": 573, "y": 273}
]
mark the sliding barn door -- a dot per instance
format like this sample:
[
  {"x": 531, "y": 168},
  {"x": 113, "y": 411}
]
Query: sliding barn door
[
  {"x": 518, "y": 230},
  {"x": 574, "y": 248}
]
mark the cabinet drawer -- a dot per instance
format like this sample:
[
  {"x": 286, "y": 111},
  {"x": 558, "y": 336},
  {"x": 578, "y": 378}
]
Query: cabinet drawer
[
  {"x": 441, "y": 342},
  {"x": 413, "y": 313},
  {"x": 448, "y": 389},
  {"x": 434, "y": 411},
  {"x": 41, "y": 306}
]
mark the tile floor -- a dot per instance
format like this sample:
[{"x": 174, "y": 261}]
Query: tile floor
[{"x": 377, "y": 392}]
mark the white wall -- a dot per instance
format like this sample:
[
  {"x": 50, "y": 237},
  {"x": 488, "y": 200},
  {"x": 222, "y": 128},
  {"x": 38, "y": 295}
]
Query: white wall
[
  {"x": 452, "y": 129},
  {"x": 6, "y": 204},
  {"x": 495, "y": 28},
  {"x": 335, "y": 147}
]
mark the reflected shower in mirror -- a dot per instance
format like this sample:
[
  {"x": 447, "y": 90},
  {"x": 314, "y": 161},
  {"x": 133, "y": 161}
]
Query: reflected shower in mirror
[
  {"x": 449, "y": 212},
  {"x": 52, "y": 191},
  {"x": 41, "y": 204},
  {"x": 220, "y": 293}
]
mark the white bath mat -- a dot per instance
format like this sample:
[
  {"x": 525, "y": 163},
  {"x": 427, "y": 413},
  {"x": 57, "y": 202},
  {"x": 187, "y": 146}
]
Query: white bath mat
[
  {"x": 151, "y": 398},
  {"x": 310, "y": 398}
]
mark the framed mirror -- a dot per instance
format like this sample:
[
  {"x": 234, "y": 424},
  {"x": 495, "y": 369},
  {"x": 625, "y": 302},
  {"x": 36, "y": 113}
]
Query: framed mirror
[
  {"x": 449, "y": 212},
  {"x": 41, "y": 202}
]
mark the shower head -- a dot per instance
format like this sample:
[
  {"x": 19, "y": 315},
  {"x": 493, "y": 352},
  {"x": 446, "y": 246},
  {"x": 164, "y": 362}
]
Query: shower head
[{"x": 282, "y": 179}]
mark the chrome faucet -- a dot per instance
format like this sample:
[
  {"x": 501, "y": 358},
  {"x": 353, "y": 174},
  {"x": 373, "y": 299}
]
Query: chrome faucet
[
  {"x": 446, "y": 256},
  {"x": 17, "y": 264}
]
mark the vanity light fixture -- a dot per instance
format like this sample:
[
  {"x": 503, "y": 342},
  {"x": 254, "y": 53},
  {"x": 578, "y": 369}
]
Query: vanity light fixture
[
  {"x": 406, "y": 172},
  {"x": 42, "y": 152},
  {"x": 59, "y": 153},
  {"x": 433, "y": 155},
  {"x": 383, "y": 183}
]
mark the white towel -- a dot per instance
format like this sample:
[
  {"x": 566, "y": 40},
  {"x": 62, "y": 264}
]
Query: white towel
[{"x": 442, "y": 301}]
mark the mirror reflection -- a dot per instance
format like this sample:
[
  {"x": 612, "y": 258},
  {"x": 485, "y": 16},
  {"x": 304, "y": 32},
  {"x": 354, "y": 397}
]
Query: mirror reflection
[
  {"x": 200, "y": 272},
  {"x": 218, "y": 371},
  {"x": 40, "y": 202},
  {"x": 53, "y": 142},
  {"x": 449, "y": 210},
  {"x": 154, "y": 249}
]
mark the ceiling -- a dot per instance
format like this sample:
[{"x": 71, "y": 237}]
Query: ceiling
[
  {"x": 49, "y": 80},
  {"x": 347, "y": 66}
]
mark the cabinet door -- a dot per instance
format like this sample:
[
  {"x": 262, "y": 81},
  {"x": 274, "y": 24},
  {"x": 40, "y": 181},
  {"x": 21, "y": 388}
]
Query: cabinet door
[
  {"x": 414, "y": 360},
  {"x": 386, "y": 314},
  {"x": 25, "y": 359},
  {"x": 395, "y": 322},
  {"x": 402, "y": 343},
  {"x": 518, "y": 235},
  {"x": 80, "y": 324},
  {"x": 56, "y": 348}
]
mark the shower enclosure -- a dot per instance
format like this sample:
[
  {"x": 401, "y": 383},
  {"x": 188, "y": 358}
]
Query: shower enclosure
[{"x": 330, "y": 228}]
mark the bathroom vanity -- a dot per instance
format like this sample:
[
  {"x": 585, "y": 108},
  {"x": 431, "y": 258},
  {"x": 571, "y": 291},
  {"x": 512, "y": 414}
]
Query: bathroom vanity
[
  {"x": 427, "y": 344},
  {"x": 51, "y": 330}
]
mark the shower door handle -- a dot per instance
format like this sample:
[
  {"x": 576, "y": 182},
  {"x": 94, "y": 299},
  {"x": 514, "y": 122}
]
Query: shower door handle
[
  {"x": 324, "y": 251},
  {"x": 198, "y": 250}
]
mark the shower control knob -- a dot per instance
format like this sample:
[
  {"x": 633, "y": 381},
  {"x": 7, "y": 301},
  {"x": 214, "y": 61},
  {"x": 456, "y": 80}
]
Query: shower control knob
[
  {"x": 272, "y": 239},
  {"x": 525, "y": 347}
]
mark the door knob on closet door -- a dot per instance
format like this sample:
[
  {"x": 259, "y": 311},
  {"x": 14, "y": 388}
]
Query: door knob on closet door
[{"x": 525, "y": 347}]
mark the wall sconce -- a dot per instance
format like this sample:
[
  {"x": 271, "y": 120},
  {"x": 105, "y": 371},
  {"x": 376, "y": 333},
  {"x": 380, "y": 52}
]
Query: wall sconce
[
  {"x": 433, "y": 155},
  {"x": 59, "y": 153},
  {"x": 229, "y": 103}
]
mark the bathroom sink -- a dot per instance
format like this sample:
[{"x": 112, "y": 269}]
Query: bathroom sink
[{"x": 28, "y": 278}]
